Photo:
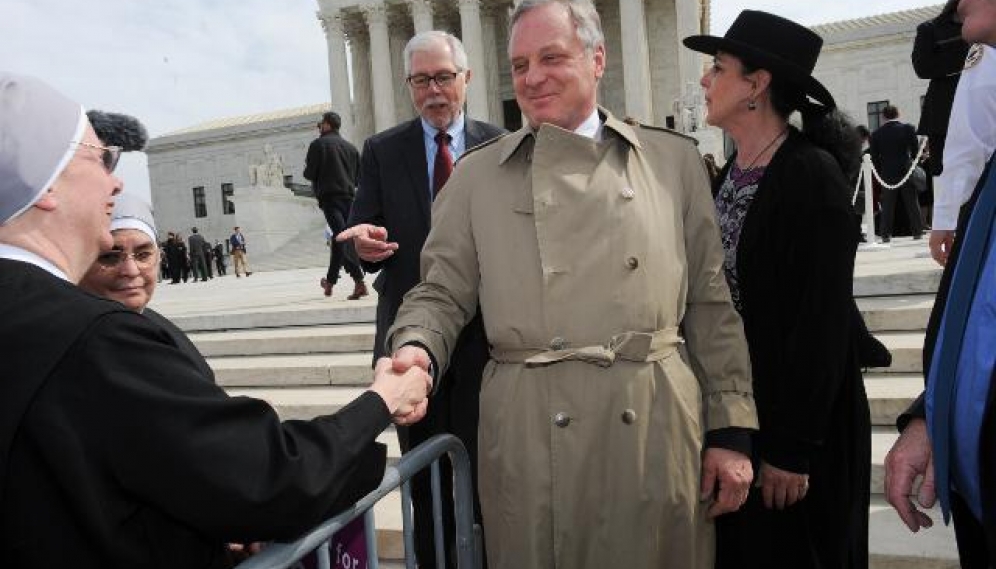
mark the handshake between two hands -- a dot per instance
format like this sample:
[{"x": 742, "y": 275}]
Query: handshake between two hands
[{"x": 404, "y": 383}]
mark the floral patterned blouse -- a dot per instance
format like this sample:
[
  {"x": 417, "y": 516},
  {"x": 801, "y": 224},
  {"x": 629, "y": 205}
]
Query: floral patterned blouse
[{"x": 732, "y": 202}]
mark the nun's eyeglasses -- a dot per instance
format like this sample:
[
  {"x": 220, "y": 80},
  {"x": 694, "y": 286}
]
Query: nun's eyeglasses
[
  {"x": 109, "y": 155},
  {"x": 112, "y": 259}
]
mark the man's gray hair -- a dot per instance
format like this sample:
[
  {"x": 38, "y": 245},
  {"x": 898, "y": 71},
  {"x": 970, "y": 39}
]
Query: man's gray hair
[
  {"x": 428, "y": 40},
  {"x": 587, "y": 23}
]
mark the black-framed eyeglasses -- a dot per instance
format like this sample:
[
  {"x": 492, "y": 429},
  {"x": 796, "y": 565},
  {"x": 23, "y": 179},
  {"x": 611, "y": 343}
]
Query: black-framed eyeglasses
[
  {"x": 113, "y": 259},
  {"x": 109, "y": 155},
  {"x": 442, "y": 79}
]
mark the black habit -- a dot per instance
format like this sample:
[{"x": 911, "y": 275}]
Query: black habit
[
  {"x": 795, "y": 262},
  {"x": 117, "y": 450}
]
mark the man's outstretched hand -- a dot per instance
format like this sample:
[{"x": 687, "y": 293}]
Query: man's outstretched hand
[
  {"x": 404, "y": 392},
  {"x": 370, "y": 242}
]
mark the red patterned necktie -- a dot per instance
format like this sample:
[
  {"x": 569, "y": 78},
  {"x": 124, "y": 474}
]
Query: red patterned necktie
[{"x": 444, "y": 162}]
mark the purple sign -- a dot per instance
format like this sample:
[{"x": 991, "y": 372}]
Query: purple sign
[{"x": 349, "y": 546}]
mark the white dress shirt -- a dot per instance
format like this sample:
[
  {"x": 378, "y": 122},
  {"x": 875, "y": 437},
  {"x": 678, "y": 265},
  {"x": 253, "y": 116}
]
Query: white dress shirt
[
  {"x": 17, "y": 254},
  {"x": 970, "y": 141},
  {"x": 591, "y": 127}
]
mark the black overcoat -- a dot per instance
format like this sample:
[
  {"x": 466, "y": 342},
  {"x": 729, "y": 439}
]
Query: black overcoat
[
  {"x": 117, "y": 451},
  {"x": 938, "y": 55},
  {"x": 795, "y": 262}
]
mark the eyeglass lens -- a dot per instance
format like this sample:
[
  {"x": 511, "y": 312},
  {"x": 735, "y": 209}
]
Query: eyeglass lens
[
  {"x": 441, "y": 79},
  {"x": 115, "y": 258}
]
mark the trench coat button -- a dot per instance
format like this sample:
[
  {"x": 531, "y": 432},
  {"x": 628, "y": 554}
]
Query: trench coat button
[
  {"x": 627, "y": 193},
  {"x": 629, "y": 416},
  {"x": 561, "y": 420},
  {"x": 632, "y": 263},
  {"x": 558, "y": 343}
]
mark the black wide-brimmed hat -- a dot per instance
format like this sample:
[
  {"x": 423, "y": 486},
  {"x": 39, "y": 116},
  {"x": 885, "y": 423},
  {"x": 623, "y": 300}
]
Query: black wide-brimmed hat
[{"x": 783, "y": 47}]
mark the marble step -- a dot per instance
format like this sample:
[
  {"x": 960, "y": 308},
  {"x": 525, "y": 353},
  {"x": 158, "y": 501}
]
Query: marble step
[
  {"x": 886, "y": 317},
  {"x": 292, "y": 370},
  {"x": 312, "y": 313},
  {"x": 342, "y": 338},
  {"x": 247, "y": 346},
  {"x": 882, "y": 312},
  {"x": 889, "y": 395},
  {"x": 896, "y": 313},
  {"x": 906, "y": 349},
  {"x": 892, "y": 546}
]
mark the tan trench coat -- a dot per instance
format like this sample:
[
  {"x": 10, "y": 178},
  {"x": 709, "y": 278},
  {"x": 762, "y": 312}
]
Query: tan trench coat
[{"x": 588, "y": 459}]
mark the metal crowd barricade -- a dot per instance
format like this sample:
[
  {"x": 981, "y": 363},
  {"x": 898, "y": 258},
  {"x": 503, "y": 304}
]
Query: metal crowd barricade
[{"x": 427, "y": 454}]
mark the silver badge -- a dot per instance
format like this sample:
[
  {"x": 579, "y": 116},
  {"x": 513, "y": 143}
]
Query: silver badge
[{"x": 974, "y": 56}]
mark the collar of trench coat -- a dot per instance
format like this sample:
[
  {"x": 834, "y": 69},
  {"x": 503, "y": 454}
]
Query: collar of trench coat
[{"x": 511, "y": 143}]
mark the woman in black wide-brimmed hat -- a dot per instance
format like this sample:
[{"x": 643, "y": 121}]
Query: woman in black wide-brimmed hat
[{"x": 783, "y": 207}]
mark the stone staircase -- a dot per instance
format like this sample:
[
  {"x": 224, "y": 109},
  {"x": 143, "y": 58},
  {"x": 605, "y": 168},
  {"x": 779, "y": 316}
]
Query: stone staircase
[
  {"x": 306, "y": 249},
  {"x": 309, "y": 356}
]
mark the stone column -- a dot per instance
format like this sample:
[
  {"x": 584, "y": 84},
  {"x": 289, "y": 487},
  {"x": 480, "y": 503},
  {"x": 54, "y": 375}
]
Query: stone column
[
  {"x": 380, "y": 66},
  {"x": 689, "y": 21},
  {"x": 473, "y": 42},
  {"x": 359, "y": 48},
  {"x": 338, "y": 73},
  {"x": 636, "y": 60},
  {"x": 421, "y": 15},
  {"x": 492, "y": 54},
  {"x": 400, "y": 31}
]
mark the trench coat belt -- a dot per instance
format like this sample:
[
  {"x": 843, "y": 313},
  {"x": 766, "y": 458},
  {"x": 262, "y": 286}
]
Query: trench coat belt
[{"x": 629, "y": 346}]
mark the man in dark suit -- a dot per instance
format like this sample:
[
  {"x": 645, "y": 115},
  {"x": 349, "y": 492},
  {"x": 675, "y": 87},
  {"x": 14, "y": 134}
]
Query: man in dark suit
[
  {"x": 402, "y": 170},
  {"x": 949, "y": 434},
  {"x": 893, "y": 147},
  {"x": 198, "y": 258},
  {"x": 117, "y": 449},
  {"x": 219, "y": 258},
  {"x": 938, "y": 55},
  {"x": 333, "y": 165}
]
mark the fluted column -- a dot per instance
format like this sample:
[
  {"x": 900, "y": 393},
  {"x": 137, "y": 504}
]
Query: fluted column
[
  {"x": 636, "y": 62},
  {"x": 380, "y": 66},
  {"x": 489, "y": 18},
  {"x": 473, "y": 42},
  {"x": 359, "y": 49},
  {"x": 421, "y": 15},
  {"x": 335, "y": 37}
]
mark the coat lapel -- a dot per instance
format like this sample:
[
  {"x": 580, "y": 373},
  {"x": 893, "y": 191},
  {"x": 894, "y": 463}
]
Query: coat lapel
[
  {"x": 414, "y": 157},
  {"x": 473, "y": 134}
]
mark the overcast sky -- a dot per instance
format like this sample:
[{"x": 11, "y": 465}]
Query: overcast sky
[{"x": 174, "y": 63}]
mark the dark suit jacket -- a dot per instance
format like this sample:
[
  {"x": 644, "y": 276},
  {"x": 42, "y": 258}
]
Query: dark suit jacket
[
  {"x": 332, "y": 165},
  {"x": 117, "y": 451},
  {"x": 988, "y": 441},
  {"x": 198, "y": 246},
  {"x": 394, "y": 193},
  {"x": 893, "y": 146},
  {"x": 938, "y": 55}
]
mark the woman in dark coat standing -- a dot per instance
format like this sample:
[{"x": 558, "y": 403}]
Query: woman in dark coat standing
[{"x": 790, "y": 239}]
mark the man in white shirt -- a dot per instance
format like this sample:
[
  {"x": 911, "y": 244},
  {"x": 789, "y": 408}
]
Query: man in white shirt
[{"x": 971, "y": 140}]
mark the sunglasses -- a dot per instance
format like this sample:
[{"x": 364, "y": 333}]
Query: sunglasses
[
  {"x": 109, "y": 155},
  {"x": 112, "y": 259}
]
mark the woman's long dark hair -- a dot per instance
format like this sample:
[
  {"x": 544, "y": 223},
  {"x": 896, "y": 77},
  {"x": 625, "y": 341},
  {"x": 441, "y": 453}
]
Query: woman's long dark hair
[{"x": 832, "y": 130}]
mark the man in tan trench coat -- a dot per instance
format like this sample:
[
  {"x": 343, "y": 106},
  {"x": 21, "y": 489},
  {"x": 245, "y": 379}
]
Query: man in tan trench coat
[{"x": 593, "y": 250}]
